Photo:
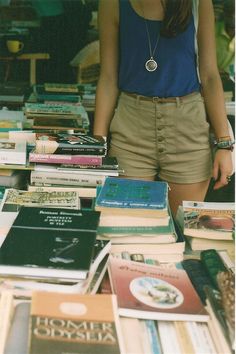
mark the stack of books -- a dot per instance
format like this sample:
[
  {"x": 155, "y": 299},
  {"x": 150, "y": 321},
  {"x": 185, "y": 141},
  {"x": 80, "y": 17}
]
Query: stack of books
[
  {"x": 57, "y": 92},
  {"x": 135, "y": 216},
  {"x": 71, "y": 160},
  {"x": 208, "y": 225},
  {"x": 53, "y": 249},
  {"x": 58, "y": 116}
]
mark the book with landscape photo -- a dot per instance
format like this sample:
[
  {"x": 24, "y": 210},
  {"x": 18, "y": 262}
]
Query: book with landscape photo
[
  {"x": 50, "y": 243},
  {"x": 70, "y": 143},
  {"x": 12, "y": 152},
  {"x": 53, "y": 109},
  {"x": 72, "y": 323},
  {"x": 60, "y": 87},
  {"x": 153, "y": 292},
  {"x": 208, "y": 220},
  {"x": 134, "y": 197}
]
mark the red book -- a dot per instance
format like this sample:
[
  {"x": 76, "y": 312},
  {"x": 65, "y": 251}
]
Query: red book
[
  {"x": 154, "y": 292},
  {"x": 65, "y": 159}
]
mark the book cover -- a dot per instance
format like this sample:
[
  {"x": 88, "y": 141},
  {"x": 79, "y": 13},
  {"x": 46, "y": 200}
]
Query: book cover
[
  {"x": 8, "y": 125},
  {"x": 65, "y": 158},
  {"x": 43, "y": 108},
  {"x": 50, "y": 243},
  {"x": 209, "y": 220},
  {"x": 153, "y": 292},
  {"x": 14, "y": 199},
  {"x": 130, "y": 196},
  {"x": 58, "y": 123},
  {"x": 60, "y": 87},
  {"x": 69, "y": 143},
  {"x": 12, "y": 152},
  {"x": 71, "y": 323}
]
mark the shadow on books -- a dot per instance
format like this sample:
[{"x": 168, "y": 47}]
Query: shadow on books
[{"x": 225, "y": 194}]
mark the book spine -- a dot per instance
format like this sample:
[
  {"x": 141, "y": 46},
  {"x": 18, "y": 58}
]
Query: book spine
[
  {"x": 168, "y": 337},
  {"x": 213, "y": 264},
  {"x": 70, "y": 149},
  {"x": 39, "y": 178},
  {"x": 71, "y": 159},
  {"x": 14, "y": 158},
  {"x": 183, "y": 337}
]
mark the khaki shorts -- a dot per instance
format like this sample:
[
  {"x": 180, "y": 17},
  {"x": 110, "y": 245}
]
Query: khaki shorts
[{"x": 170, "y": 140}]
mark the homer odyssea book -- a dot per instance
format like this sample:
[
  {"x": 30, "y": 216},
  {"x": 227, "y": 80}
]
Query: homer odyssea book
[
  {"x": 73, "y": 323},
  {"x": 50, "y": 243},
  {"x": 153, "y": 292},
  {"x": 132, "y": 196}
]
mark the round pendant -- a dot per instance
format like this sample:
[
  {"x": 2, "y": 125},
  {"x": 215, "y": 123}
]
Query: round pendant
[{"x": 151, "y": 65}]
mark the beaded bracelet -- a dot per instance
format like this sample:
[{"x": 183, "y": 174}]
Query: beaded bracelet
[{"x": 224, "y": 145}]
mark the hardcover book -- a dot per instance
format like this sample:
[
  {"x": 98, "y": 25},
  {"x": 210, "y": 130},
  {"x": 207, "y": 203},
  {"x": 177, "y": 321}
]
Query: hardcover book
[
  {"x": 43, "y": 108},
  {"x": 61, "y": 87},
  {"x": 58, "y": 124},
  {"x": 72, "y": 323},
  {"x": 50, "y": 243},
  {"x": 12, "y": 152},
  {"x": 134, "y": 197},
  {"x": 208, "y": 220},
  {"x": 8, "y": 125},
  {"x": 153, "y": 292},
  {"x": 70, "y": 143}
]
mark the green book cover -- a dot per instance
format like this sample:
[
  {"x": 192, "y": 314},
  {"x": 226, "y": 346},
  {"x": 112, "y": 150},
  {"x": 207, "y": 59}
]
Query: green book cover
[{"x": 50, "y": 243}]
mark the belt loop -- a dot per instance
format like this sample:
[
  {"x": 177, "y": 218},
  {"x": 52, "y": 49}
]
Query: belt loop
[
  {"x": 137, "y": 100},
  {"x": 178, "y": 101}
]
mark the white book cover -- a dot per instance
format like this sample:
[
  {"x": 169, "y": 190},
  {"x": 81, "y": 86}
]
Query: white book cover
[{"x": 12, "y": 152}]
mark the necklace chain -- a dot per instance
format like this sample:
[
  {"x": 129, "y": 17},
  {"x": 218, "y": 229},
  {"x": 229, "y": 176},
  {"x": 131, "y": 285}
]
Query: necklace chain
[
  {"x": 152, "y": 52},
  {"x": 150, "y": 64}
]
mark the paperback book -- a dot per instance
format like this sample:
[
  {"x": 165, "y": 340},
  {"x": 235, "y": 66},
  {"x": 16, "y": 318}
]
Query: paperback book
[
  {"x": 50, "y": 243},
  {"x": 14, "y": 199},
  {"x": 208, "y": 220},
  {"x": 12, "y": 152},
  {"x": 65, "y": 158},
  {"x": 70, "y": 144},
  {"x": 123, "y": 196},
  {"x": 153, "y": 292}
]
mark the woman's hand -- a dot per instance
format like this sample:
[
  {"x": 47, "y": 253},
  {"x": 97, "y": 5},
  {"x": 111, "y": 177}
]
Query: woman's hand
[{"x": 222, "y": 168}]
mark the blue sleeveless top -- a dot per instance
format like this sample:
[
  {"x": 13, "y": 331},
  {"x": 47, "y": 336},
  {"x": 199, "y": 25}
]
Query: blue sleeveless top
[{"x": 176, "y": 74}]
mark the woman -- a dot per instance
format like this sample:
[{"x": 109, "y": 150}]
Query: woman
[{"x": 148, "y": 94}]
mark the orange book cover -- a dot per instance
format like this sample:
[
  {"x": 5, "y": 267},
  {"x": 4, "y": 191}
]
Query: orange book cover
[{"x": 73, "y": 323}]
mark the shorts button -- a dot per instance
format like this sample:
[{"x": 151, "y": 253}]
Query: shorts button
[
  {"x": 159, "y": 115},
  {"x": 160, "y": 150},
  {"x": 160, "y": 138},
  {"x": 159, "y": 128}
]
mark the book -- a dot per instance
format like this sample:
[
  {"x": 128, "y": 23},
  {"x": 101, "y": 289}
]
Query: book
[
  {"x": 213, "y": 264},
  {"x": 53, "y": 109},
  {"x": 12, "y": 152},
  {"x": 209, "y": 220},
  {"x": 14, "y": 178},
  {"x": 72, "y": 323},
  {"x": 17, "y": 339},
  {"x": 65, "y": 158},
  {"x": 84, "y": 192},
  {"x": 58, "y": 124},
  {"x": 153, "y": 292},
  {"x": 8, "y": 125},
  {"x": 134, "y": 197},
  {"x": 109, "y": 163},
  {"x": 50, "y": 243},
  {"x": 65, "y": 179},
  {"x": 201, "y": 244},
  {"x": 14, "y": 199},
  {"x": 198, "y": 276},
  {"x": 13, "y": 92},
  {"x": 77, "y": 143},
  {"x": 61, "y": 87}
]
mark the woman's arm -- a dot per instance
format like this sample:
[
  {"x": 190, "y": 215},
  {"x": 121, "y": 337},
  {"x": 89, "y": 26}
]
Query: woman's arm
[
  {"x": 212, "y": 89},
  {"x": 107, "y": 88}
]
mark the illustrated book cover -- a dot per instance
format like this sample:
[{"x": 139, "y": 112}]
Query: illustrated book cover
[
  {"x": 14, "y": 199},
  {"x": 208, "y": 219},
  {"x": 72, "y": 323},
  {"x": 50, "y": 243},
  {"x": 70, "y": 143},
  {"x": 153, "y": 292},
  {"x": 128, "y": 196}
]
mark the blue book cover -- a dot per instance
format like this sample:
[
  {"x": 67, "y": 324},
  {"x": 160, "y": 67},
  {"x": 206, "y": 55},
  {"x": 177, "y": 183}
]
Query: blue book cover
[{"x": 132, "y": 194}]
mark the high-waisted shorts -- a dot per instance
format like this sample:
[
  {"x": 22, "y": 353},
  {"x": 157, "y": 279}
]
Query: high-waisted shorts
[{"x": 168, "y": 139}]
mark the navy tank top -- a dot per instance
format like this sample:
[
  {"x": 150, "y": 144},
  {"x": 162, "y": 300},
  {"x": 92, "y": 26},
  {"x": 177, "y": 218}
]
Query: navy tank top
[{"x": 176, "y": 74}]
